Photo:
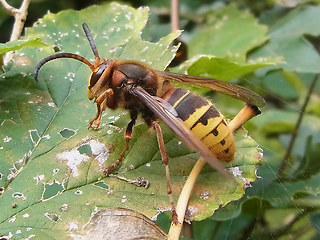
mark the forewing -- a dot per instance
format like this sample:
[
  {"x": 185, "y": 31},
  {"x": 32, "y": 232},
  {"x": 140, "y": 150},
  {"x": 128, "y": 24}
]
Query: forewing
[
  {"x": 177, "y": 126},
  {"x": 227, "y": 88}
]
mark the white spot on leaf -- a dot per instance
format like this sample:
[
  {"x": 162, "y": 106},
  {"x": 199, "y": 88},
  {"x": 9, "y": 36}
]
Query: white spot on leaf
[
  {"x": 55, "y": 171},
  {"x": 100, "y": 150},
  {"x": 50, "y": 104},
  {"x": 72, "y": 226},
  {"x": 38, "y": 178},
  {"x": 237, "y": 172},
  {"x": 64, "y": 207},
  {"x": 73, "y": 159},
  {"x": 205, "y": 195},
  {"x": 7, "y": 139},
  {"x": 13, "y": 219}
]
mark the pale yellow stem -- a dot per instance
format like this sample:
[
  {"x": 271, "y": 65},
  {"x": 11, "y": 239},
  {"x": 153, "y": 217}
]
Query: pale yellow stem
[{"x": 182, "y": 204}]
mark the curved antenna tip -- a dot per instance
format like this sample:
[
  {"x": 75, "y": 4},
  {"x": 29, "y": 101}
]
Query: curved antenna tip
[{"x": 60, "y": 55}]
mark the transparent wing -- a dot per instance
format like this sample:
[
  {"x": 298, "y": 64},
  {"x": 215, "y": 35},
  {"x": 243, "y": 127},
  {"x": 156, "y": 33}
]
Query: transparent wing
[{"x": 227, "y": 88}]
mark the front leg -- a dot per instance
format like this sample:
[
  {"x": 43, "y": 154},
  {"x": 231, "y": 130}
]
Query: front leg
[{"x": 101, "y": 106}]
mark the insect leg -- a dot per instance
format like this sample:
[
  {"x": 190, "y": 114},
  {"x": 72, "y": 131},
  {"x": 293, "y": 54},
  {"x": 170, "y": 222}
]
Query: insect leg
[
  {"x": 247, "y": 112},
  {"x": 127, "y": 137},
  {"x": 165, "y": 161},
  {"x": 101, "y": 106}
]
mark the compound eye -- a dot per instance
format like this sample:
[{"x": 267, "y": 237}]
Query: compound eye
[{"x": 97, "y": 74}]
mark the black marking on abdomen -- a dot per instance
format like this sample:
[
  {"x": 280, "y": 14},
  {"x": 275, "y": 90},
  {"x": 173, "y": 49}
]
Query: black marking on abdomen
[
  {"x": 211, "y": 113},
  {"x": 189, "y": 105}
]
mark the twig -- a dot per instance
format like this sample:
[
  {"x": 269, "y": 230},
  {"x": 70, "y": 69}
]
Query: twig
[
  {"x": 175, "y": 15},
  {"x": 285, "y": 160},
  {"x": 20, "y": 16},
  {"x": 175, "y": 229}
]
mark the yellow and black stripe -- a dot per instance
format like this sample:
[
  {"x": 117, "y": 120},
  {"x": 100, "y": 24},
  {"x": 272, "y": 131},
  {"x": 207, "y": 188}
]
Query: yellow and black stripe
[{"x": 205, "y": 121}]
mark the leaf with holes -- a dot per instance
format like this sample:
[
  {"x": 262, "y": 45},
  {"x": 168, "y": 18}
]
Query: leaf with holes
[{"x": 51, "y": 170}]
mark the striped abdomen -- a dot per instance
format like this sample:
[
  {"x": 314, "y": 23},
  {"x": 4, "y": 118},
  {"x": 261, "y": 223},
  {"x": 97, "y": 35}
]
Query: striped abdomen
[{"x": 205, "y": 121}]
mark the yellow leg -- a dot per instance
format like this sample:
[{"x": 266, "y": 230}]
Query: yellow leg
[
  {"x": 101, "y": 106},
  {"x": 246, "y": 113}
]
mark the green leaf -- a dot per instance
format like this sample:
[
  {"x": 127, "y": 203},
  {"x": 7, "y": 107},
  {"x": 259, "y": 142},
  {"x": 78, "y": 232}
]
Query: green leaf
[
  {"x": 277, "y": 84},
  {"x": 226, "y": 69},
  {"x": 277, "y": 121},
  {"x": 229, "y": 32},
  {"x": 52, "y": 165},
  {"x": 18, "y": 44},
  {"x": 230, "y": 229},
  {"x": 304, "y": 193},
  {"x": 287, "y": 39},
  {"x": 225, "y": 46},
  {"x": 251, "y": 206}
]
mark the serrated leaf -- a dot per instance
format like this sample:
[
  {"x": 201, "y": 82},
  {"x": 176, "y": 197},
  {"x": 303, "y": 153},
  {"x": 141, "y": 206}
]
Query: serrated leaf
[
  {"x": 287, "y": 39},
  {"x": 52, "y": 164},
  {"x": 153, "y": 54}
]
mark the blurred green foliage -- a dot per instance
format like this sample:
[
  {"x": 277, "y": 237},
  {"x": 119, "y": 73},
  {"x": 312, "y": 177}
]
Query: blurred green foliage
[{"x": 279, "y": 205}]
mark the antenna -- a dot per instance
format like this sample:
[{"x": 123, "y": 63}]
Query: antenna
[
  {"x": 61, "y": 55},
  {"x": 91, "y": 41}
]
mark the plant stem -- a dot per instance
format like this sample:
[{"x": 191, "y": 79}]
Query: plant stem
[
  {"x": 20, "y": 16},
  {"x": 175, "y": 15},
  {"x": 175, "y": 229},
  {"x": 285, "y": 160}
]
